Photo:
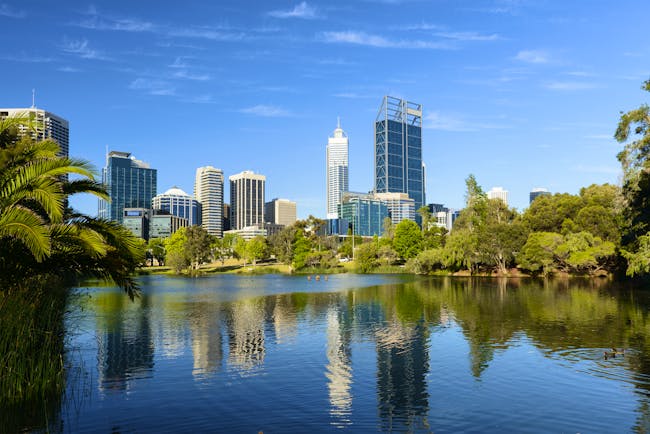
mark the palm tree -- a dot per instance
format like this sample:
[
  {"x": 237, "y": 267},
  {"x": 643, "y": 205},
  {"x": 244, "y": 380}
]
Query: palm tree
[{"x": 38, "y": 236}]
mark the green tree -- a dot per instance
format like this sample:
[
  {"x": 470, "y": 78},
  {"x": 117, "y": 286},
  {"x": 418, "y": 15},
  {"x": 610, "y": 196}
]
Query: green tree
[
  {"x": 282, "y": 244},
  {"x": 426, "y": 262},
  {"x": 39, "y": 238},
  {"x": 257, "y": 249},
  {"x": 197, "y": 246},
  {"x": 638, "y": 263},
  {"x": 538, "y": 254},
  {"x": 301, "y": 249},
  {"x": 157, "y": 248},
  {"x": 426, "y": 216},
  {"x": 408, "y": 239},
  {"x": 239, "y": 249},
  {"x": 175, "y": 247},
  {"x": 388, "y": 229},
  {"x": 366, "y": 256},
  {"x": 634, "y": 130},
  {"x": 548, "y": 213}
]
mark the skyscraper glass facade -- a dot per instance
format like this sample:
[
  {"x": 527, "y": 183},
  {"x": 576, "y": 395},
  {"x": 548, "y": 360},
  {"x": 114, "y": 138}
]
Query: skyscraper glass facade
[
  {"x": 398, "y": 149},
  {"x": 365, "y": 213},
  {"x": 130, "y": 183}
]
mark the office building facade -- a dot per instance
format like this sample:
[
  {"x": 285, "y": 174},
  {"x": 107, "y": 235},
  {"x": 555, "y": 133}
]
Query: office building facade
[
  {"x": 400, "y": 206},
  {"x": 498, "y": 193},
  {"x": 280, "y": 212},
  {"x": 45, "y": 125},
  {"x": 247, "y": 200},
  {"x": 130, "y": 183},
  {"x": 363, "y": 213},
  {"x": 137, "y": 221},
  {"x": 208, "y": 191},
  {"x": 164, "y": 225},
  {"x": 398, "y": 149},
  {"x": 537, "y": 192},
  {"x": 178, "y": 203},
  {"x": 337, "y": 170}
]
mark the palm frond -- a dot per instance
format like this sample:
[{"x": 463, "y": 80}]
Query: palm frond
[{"x": 24, "y": 225}]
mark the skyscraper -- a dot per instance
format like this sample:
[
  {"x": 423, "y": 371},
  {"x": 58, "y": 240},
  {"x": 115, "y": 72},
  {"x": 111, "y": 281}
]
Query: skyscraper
[
  {"x": 247, "y": 200},
  {"x": 130, "y": 183},
  {"x": 46, "y": 126},
  {"x": 178, "y": 203},
  {"x": 498, "y": 193},
  {"x": 337, "y": 170},
  {"x": 280, "y": 212},
  {"x": 536, "y": 192},
  {"x": 208, "y": 191},
  {"x": 398, "y": 149}
]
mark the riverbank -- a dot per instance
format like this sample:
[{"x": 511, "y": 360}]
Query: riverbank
[{"x": 233, "y": 266}]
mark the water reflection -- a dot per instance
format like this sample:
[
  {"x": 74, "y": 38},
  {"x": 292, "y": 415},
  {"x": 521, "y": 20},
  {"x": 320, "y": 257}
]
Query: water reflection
[{"x": 373, "y": 346}]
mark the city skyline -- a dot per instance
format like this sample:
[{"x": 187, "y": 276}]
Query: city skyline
[{"x": 520, "y": 94}]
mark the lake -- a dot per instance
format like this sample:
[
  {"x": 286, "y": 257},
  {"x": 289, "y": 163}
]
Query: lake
[{"x": 358, "y": 353}]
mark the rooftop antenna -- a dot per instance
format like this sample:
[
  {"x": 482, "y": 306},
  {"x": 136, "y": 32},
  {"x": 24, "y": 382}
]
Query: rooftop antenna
[
  {"x": 33, "y": 98},
  {"x": 338, "y": 122}
]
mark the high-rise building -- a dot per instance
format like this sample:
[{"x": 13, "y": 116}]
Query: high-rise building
[
  {"x": 498, "y": 193},
  {"x": 226, "y": 217},
  {"x": 208, "y": 191},
  {"x": 398, "y": 149},
  {"x": 246, "y": 200},
  {"x": 280, "y": 212},
  {"x": 45, "y": 125},
  {"x": 536, "y": 192},
  {"x": 178, "y": 203},
  {"x": 400, "y": 206},
  {"x": 337, "y": 170},
  {"x": 130, "y": 183},
  {"x": 164, "y": 225},
  {"x": 364, "y": 213}
]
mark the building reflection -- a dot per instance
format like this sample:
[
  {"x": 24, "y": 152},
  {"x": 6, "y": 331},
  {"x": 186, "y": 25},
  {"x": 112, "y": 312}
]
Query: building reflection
[
  {"x": 402, "y": 367},
  {"x": 207, "y": 343},
  {"x": 284, "y": 318},
  {"x": 126, "y": 349},
  {"x": 339, "y": 368},
  {"x": 246, "y": 334}
]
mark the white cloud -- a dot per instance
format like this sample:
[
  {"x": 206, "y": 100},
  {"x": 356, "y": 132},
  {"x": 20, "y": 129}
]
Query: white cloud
[
  {"x": 152, "y": 87},
  {"x": 268, "y": 111},
  {"x": 23, "y": 57},
  {"x": 82, "y": 49},
  {"x": 569, "y": 85},
  {"x": 468, "y": 36},
  {"x": 361, "y": 38},
  {"x": 8, "y": 11},
  {"x": 210, "y": 33},
  {"x": 184, "y": 74},
  {"x": 301, "y": 10},
  {"x": 533, "y": 56}
]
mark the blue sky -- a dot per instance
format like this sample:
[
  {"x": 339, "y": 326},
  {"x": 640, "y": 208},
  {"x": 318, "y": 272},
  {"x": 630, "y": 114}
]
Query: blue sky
[{"x": 521, "y": 93}]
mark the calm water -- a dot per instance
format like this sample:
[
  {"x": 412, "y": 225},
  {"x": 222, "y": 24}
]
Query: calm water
[{"x": 358, "y": 353}]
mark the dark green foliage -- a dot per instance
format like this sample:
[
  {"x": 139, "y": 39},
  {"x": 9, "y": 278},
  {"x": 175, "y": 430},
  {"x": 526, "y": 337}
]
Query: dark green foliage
[
  {"x": 366, "y": 256},
  {"x": 408, "y": 239}
]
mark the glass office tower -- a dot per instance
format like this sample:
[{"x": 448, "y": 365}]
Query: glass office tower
[
  {"x": 398, "y": 149},
  {"x": 130, "y": 183}
]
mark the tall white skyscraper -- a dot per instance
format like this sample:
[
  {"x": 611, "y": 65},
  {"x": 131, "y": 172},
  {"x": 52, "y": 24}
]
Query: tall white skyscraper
[
  {"x": 208, "y": 191},
  {"x": 337, "y": 170},
  {"x": 498, "y": 193},
  {"x": 46, "y": 126},
  {"x": 247, "y": 200}
]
